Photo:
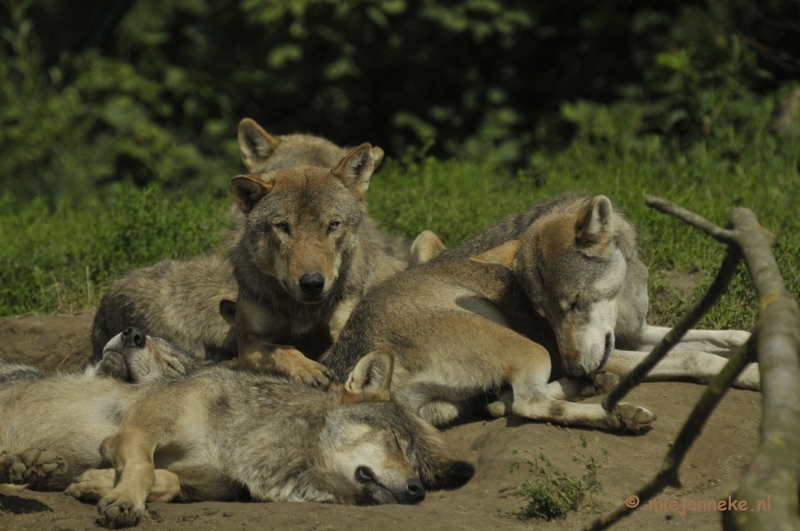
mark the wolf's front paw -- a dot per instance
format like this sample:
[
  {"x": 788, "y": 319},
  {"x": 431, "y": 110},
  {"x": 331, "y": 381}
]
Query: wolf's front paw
[
  {"x": 630, "y": 418},
  {"x": 33, "y": 465},
  {"x": 119, "y": 511},
  {"x": 310, "y": 372}
]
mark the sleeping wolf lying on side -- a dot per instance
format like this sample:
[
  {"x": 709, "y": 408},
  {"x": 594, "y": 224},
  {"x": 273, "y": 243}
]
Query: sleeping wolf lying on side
[{"x": 216, "y": 434}]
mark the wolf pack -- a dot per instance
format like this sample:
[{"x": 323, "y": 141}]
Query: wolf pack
[{"x": 316, "y": 357}]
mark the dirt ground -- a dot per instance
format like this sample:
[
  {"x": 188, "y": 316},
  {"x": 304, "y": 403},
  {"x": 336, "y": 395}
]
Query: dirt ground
[{"x": 708, "y": 472}]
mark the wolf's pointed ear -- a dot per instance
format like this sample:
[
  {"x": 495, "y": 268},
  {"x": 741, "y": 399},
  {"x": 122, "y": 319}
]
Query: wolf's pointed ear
[
  {"x": 425, "y": 247},
  {"x": 248, "y": 189},
  {"x": 502, "y": 255},
  {"x": 255, "y": 144},
  {"x": 370, "y": 379},
  {"x": 356, "y": 169},
  {"x": 227, "y": 309},
  {"x": 596, "y": 223},
  {"x": 377, "y": 153}
]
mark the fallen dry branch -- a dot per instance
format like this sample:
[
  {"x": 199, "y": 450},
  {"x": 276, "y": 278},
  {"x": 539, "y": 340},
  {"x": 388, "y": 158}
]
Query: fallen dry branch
[{"x": 775, "y": 342}]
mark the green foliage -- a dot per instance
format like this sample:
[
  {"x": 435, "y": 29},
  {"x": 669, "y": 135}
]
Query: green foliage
[
  {"x": 552, "y": 493},
  {"x": 63, "y": 260},
  {"x": 158, "y": 98}
]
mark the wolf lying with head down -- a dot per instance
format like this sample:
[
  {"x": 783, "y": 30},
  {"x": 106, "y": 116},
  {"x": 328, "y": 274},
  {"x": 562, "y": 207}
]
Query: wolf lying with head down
[
  {"x": 215, "y": 434},
  {"x": 563, "y": 278},
  {"x": 178, "y": 299}
]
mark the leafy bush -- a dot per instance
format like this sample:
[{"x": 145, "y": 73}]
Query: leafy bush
[{"x": 552, "y": 493}]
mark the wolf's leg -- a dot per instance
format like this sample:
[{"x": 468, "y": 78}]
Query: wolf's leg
[
  {"x": 699, "y": 366},
  {"x": 95, "y": 484},
  {"x": 29, "y": 467},
  {"x": 720, "y": 342},
  {"x": 575, "y": 389},
  {"x": 528, "y": 368},
  {"x": 130, "y": 452},
  {"x": 439, "y": 412},
  {"x": 260, "y": 356}
]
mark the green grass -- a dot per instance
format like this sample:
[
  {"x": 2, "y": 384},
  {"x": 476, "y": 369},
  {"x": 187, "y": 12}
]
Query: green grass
[
  {"x": 457, "y": 200},
  {"x": 62, "y": 261}
]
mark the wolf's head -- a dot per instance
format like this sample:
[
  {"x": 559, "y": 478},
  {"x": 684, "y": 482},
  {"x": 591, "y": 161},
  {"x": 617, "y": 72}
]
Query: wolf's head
[
  {"x": 132, "y": 356},
  {"x": 301, "y": 224},
  {"x": 262, "y": 152},
  {"x": 374, "y": 451},
  {"x": 572, "y": 262}
]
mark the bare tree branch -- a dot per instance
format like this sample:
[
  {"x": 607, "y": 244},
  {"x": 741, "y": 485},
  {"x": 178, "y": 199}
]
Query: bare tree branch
[{"x": 774, "y": 473}]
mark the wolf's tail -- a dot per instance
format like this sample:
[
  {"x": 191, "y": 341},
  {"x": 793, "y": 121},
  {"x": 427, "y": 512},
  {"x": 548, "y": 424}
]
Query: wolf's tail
[{"x": 12, "y": 371}]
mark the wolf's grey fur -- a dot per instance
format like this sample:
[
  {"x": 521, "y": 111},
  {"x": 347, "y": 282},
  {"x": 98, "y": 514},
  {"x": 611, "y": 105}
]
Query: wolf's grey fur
[{"x": 218, "y": 432}]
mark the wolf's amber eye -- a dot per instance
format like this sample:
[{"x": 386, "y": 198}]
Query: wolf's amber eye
[
  {"x": 282, "y": 226},
  {"x": 334, "y": 225}
]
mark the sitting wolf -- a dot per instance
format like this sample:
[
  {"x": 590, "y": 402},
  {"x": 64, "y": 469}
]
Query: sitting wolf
[
  {"x": 215, "y": 434},
  {"x": 563, "y": 278},
  {"x": 178, "y": 299}
]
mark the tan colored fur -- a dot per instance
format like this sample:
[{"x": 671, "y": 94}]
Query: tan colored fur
[{"x": 459, "y": 326}]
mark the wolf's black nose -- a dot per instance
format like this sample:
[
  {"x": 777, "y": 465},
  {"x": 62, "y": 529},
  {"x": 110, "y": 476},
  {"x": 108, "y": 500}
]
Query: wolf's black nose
[
  {"x": 415, "y": 492},
  {"x": 311, "y": 284},
  {"x": 133, "y": 337}
]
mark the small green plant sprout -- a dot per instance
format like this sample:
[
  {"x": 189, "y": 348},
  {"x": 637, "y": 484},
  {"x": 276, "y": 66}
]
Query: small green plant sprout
[{"x": 551, "y": 492}]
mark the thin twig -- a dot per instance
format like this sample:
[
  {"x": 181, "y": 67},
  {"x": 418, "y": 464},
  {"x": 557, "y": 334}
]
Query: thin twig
[{"x": 699, "y": 222}]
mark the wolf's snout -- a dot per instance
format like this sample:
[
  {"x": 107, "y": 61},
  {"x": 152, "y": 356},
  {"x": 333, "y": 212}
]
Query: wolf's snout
[
  {"x": 133, "y": 337},
  {"x": 312, "y": 284},
  {"x": 415, "y": 492}
]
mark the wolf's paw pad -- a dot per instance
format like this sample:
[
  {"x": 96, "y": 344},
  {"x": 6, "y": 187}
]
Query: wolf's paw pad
[
  {"x": 119, "y": 511},
  {"x": 34, "y": 465},
  {"x": 602, "y": 383},
  {"x": 632, "y": 418}
]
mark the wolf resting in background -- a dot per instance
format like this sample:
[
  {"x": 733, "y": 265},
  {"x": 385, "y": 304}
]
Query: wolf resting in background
[
  {"x": 563, "y": 278},
  {"x": 216, "y": 435},
  {"x": 178, "y": 299}
]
